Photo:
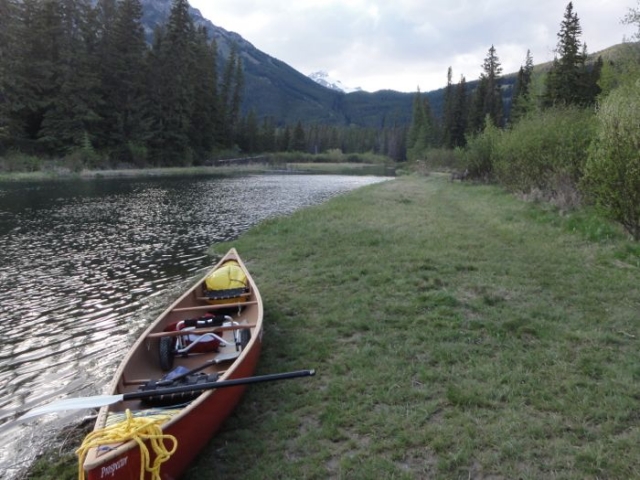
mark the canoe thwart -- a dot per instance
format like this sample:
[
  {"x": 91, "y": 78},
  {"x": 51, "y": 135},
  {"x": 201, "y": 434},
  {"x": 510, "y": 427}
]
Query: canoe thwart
[
  {"x": 214, "y": 307},
  {"x": 200, "y": 331}
]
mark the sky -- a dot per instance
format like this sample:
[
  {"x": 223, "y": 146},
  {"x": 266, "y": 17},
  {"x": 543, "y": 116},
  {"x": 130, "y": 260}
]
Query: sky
[{"x": 406, "y": 45}]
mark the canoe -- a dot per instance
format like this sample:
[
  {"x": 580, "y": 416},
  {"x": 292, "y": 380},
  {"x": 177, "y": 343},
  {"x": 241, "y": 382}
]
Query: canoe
[{"x": 230, "y": 317}]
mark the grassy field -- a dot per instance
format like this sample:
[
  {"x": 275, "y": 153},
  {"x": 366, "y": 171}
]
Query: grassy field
[{"x": 457, "y": 332}]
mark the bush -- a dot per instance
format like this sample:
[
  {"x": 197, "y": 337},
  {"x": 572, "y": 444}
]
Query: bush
[
  {"x": 443, "y": 158},
  {"x": 480, "y": 152},
  {"x": 546, "y": 152},
  {"x": 15, "y": 161},
  {"x": 612, "y": 173}
]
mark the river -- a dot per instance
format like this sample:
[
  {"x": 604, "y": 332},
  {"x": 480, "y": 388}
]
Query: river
[{"x": 85, "y": 265}]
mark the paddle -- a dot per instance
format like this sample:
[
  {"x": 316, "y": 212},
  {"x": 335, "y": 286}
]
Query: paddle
[{"x": 102, "y": 400}]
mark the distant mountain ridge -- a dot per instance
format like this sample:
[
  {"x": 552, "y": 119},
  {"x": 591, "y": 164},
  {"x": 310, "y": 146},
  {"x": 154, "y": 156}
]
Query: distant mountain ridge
[
  {"x": 275, "y": 89},
  {"x": 325, "y": 80}
]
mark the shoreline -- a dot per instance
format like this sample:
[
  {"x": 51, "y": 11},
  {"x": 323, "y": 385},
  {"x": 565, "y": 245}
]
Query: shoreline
[{"x": 223, "y": 171}]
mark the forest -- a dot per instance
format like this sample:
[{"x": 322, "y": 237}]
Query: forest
[{"x": 81, "y": 81}]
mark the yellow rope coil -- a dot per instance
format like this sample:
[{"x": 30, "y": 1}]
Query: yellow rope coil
[{"x": 139, "y": 429}]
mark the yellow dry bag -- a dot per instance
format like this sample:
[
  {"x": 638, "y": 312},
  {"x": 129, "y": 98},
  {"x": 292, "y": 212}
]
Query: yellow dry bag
[{"x": 226, "y": 283}]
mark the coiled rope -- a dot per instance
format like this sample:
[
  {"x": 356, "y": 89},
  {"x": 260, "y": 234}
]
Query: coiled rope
[{"x": 139, "y": 429}]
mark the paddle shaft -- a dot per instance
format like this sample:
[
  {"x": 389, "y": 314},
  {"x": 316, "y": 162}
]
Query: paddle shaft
[
  {"x": 221, "y": 384},
  {"x": 102, "y": 400}
]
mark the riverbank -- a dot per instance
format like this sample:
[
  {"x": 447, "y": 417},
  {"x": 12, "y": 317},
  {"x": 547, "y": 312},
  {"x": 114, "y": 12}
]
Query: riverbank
[
  {"x": 457, "y": 332},
  {"x": 247, "y": 167}
]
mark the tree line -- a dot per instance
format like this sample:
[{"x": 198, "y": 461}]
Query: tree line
[
  {"x": 571, "y": 136},
  {"x": 570, "y": 81},
  {"x": 82, "y": 80}
]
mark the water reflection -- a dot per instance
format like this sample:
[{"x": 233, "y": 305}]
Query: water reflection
[{"x": 86, "y": 265}]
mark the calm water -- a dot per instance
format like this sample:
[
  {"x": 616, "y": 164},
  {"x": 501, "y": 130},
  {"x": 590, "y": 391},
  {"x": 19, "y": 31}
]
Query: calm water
[{"x": 86, "y": 265}]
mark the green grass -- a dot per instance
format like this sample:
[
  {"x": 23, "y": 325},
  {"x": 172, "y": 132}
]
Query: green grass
[
  {"x": 454, "y": 335},
  {"x": 457, "y": 332}
]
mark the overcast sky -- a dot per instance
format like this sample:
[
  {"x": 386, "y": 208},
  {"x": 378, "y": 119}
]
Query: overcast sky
[{"x": 404, "y": 45}]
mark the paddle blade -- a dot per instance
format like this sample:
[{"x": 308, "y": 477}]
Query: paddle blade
[{"x": 72, "y": 404}]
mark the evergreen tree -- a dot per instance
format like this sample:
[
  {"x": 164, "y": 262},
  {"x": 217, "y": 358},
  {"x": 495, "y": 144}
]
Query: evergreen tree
[
  {"x": 570, "y": 81},
  {"x": 122, "y": 52},
  {"x": 447, "y": 114},
  {"x": 35, "y": 71},
  {"x": 298, "y": 140},
  {"x": 173, "y": 90},
  {"x": 415, "y": 141},
  {"x": 230, "y": 95},
  {"x": 268, "y": 135},
  {"x": 493, "y": 100},
  {"x": 459, "y": 116},
  {"x": 8, "y": 41},
  {"x": 487, "y": 98},
  {"x": 476, "y": 108},
  {"x": 521, "y": 99},
  {"x": 205, "y": 110},
  {"x": 249, "y": 138},
  {"x": 284, "y": 140},
  {"x": 423, "y": 132}
]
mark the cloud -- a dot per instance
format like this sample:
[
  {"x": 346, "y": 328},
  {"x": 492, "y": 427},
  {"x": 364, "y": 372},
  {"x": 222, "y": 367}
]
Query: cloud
[{"x": 406, "y": 44}]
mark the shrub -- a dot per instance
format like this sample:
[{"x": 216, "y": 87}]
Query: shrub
[
  {"x": 546, "y": 152},
  {"x": 15, "y": 161},
  {"x": 480, "y": 152},
  {"x": 612, "y": 174},
  {"x": 443, "y": 158}
]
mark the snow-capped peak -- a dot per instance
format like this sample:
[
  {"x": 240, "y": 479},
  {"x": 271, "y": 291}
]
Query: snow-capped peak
[{"x": 325, "y": 80}]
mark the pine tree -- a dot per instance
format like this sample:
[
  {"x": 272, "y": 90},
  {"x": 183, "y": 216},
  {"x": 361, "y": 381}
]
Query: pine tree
[
  {"x": 460, "y": 115},
  {"x": 206, "y": 109},
  {"x": 476, "y": 108},
  {"x": 35, "y": 77},
  {"x": 230, "y": 95},
  {"x": 268, "y": 135},
  {"x": 122, "y": 51},
  {"x": 172, "y": 88},
  {"x": 284, "y": 140},
  {"x": 521, "y": 99},
  {"x": 415, "y": 141},
  {"x": 487, "y": 98},
  {"x": 249, "y": 138},
  {"x": 423, "y": 132},
  {"x": 493, "y": 99},
  {"x": 447, "y": 114},
  {"x": 8, "y": 22},
  {"x": 298, "y": 140},
  {"x": 570, "y": 81},
  {"x": 71, "y": 112}
]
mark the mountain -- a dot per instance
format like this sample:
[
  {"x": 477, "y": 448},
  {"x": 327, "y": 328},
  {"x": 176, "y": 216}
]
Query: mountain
[
  {"x": 325, "y": 80},
  {"x": 274, "y": 89}
]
